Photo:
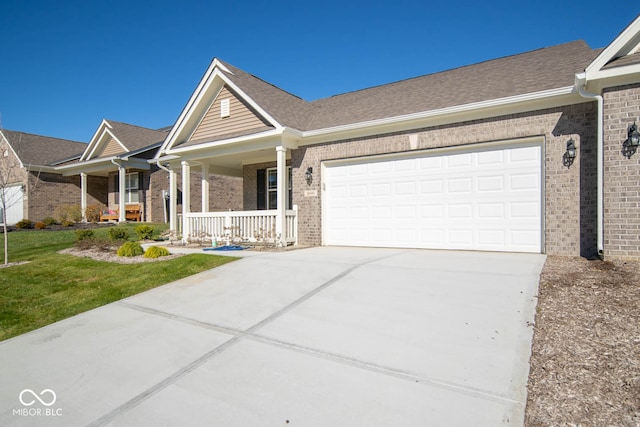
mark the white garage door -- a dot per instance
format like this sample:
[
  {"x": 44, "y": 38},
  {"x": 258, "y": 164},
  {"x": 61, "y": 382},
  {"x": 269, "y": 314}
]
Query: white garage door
[
  {"x": 486, "y": 199},
  {"x": 14, "y": 202}
]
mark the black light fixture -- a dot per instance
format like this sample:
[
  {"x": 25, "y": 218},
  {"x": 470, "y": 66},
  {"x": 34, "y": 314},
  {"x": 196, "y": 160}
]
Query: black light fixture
[
  {"x": 630, "y": 145},
  {"x": 309, "y": 175},
  {"x": 571, "y": 153}
]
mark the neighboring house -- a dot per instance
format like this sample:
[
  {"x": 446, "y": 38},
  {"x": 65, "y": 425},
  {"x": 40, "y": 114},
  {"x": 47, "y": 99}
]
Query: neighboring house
[
  {"x": 121, "y": 154},
  {"x": 34, "y": 188},
  {"x": 475, "y": 158}
]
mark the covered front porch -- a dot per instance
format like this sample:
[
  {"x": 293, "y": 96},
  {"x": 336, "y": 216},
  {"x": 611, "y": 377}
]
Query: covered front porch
[
  {"x": 125, "y": 194},
  {"x": 274, "y": 222}
]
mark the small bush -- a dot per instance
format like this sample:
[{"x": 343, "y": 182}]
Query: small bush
[
  {"x": 49, "y": 221},
  {"x": 25, "y": 223},
  {"x": 84, "y": 234},
  {"x": 93, "y": 211},
  {"x": 68, "y": 212},
  {"x": 156, "y": 252},
  {"x": 118, "y": 233},
  {"x": 130, "y": 249},
  {"x": 144, "y": 232},
  {"x": 67, "y": 223},
  {"x": 40, "y": 225}
]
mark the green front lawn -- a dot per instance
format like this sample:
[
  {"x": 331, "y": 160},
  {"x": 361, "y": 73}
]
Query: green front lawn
[{"x": 53, "y": 286}]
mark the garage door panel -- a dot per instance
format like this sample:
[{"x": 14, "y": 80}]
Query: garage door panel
[{"x": 489, "y": 199}]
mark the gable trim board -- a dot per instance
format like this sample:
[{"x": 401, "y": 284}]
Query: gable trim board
[{"x": 472, "y": 197}]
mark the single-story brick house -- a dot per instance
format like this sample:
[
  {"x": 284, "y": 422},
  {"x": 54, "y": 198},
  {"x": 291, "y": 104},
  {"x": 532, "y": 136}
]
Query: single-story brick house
[
  {"x": 121, "y": 155},
  {"x": 478, "y": 158},
  {"x": 28, "y": 174}
]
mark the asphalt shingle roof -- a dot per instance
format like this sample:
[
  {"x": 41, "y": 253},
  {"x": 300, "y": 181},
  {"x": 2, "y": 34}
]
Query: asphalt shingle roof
[
  {"x": 137, "y": 137},
  {"x": 534, "y": 71},
  {"x": 42, "y": 150}
]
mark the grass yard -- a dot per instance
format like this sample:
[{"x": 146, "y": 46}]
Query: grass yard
[{"x": 54, "y": 286}]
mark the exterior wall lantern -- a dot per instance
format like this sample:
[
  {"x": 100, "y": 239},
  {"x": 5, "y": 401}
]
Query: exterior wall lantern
[
  {"x": 569, "y": 155},
  {"x": 630, "y": 145},
  {"x": 309, "y": 175}
]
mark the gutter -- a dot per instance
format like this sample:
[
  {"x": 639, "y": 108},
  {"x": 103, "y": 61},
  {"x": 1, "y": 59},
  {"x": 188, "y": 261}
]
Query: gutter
[{"x": 581, "y": 83}]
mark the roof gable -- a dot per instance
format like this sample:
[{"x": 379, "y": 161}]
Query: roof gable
[
  {"x": 621, "y": 56},
  {"x": 38, "y": 150},
  {"x": 115, "y": 138},
  {"x": 267, "y": 103}
]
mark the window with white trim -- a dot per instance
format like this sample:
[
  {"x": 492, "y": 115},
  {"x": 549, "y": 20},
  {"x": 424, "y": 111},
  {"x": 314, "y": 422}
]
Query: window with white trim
[
  {"x": 272, "y": 189},
  {"x": 131, "y": 187}
]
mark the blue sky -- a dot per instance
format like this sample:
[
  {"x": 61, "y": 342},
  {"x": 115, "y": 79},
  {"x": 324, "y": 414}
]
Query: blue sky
[{"x": 66, "y": 65}]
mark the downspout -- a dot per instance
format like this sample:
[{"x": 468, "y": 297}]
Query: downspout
[{"x": 581, "y": 83}]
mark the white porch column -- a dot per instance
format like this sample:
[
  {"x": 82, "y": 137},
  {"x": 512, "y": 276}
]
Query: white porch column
[
  {"x": 122, "y": 175},
  {"x": 205, "y": 187},
  {"x": 83, "y": 195},
  {"x": 173, "y": 200},
  {"x": 186, "y": 198},
  {"x": 281, "y": 195}
]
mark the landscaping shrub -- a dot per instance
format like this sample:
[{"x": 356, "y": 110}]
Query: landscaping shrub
[
  {"x": 68, "y": 212},
  {"x": 130, "y": 249},
  {"x": 25, "y": 223},
  {"x": 40, "y": 225},
  {"x": 67, "y": 223},
  {"x": 93, "y": 211},
  {"x": 118, "y": 233},
  {"x": 84, "y": 234},
  {"x": 144, "y": 232},
  {"x": 49, "y": 221},
  {"x": 156, "y": 252}
]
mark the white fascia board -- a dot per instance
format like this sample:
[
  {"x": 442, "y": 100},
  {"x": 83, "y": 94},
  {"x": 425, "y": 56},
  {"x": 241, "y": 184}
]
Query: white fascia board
[
  {"x": 101, "y": 164},
  {"x": 431, "y": 115},
  {"x": 105, "y": 133},
  {"x": 6, "y": 140},
  {"x": 94, "y": 139},
  {"x": 616, "y": 76},
  {"x": 197, "y": 94},
  {"x": 39, "y": 168},
  {"x": 254, "y": 138},
  {"x": 86, "y": 166},
  {"x": 621, "y": 46}
]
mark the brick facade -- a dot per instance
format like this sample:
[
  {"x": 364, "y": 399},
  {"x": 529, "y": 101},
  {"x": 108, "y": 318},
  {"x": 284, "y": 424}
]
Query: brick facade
[
  {"x": 250, "y": 173},
  {"x": 621, "y": 175},
  {"x": 48, "y": 190},
  {"x": 570, "y": 204}
]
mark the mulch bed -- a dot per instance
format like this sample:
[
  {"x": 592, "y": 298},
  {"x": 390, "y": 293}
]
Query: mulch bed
[{"x": 585, "y": 364}]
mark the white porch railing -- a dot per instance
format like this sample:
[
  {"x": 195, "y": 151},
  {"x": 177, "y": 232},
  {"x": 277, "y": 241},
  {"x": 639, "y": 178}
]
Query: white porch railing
[{"x": 240, "y": 226}]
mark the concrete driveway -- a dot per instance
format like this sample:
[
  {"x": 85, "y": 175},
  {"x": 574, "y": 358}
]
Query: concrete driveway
[{"x": 313, "y": 337}]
